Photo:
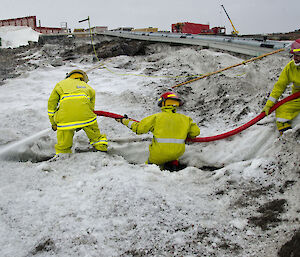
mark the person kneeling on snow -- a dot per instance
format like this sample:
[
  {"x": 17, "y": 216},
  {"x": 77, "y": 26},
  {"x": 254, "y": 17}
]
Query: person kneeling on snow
[
  {"x": 170, "y": 130},
  {"x": 290, "y": 74},
  {"x": 70, "y": 107}
]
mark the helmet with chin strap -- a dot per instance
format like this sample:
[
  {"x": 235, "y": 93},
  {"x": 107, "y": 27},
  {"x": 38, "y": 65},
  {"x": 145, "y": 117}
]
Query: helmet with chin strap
[
  {"x": 78, "y": 74},
  {"x": 169, "y": 98}
]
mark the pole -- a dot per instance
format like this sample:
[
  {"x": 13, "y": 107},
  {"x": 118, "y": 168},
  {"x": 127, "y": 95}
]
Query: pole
[{"x": 87, "y": 19}]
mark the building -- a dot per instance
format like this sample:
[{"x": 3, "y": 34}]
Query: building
[
  {"x": 195, "y": 28},
  {"x": 98, "y": 29},
  {"x": 123, "y": 29},
  {"x": 30, "y": 21},
  {"x": 188, "y": 27},
  {"x": 150, "y": 29}
]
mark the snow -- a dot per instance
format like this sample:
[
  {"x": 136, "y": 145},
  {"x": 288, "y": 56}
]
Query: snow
[
  {"x": 15, "y": 36},
  {"x": 98, "y": 204}
]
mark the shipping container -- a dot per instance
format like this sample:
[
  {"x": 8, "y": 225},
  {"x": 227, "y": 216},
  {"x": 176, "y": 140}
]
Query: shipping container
[{"x": 188, "y": 27}]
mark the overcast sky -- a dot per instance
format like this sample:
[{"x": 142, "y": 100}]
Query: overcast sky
[{"x": 248, "y": 16}]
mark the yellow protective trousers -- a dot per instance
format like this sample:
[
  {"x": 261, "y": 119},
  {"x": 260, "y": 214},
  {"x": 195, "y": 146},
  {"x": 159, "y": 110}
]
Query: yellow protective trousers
[
  {"x": 65, "y": 139},
  {"x": 287, "y": 112}
]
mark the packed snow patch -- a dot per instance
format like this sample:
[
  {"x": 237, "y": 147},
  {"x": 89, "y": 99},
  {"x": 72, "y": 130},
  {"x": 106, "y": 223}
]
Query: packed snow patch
[{"x": 15, "y": 36}]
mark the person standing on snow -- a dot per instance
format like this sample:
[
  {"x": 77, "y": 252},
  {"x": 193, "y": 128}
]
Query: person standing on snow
[
  {"x": 70, "y": 107},
  {"x": 290, "y": 74},
  {"x": 170, "y": 130}
]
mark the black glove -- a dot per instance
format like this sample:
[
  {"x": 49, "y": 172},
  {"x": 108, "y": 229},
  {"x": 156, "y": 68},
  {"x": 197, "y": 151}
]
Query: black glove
[{"x": 121, "y": 119}]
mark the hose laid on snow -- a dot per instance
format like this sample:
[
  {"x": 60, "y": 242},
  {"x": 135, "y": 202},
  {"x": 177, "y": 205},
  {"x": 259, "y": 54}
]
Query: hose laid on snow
[{"x": 220, "y": 136}]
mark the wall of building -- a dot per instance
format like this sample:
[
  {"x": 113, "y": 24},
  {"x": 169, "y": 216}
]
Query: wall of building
[{"x": 30, "y": 21}]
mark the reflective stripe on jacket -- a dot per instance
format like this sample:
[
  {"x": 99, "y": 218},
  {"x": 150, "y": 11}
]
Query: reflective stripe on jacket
[
  {"x": 170, "y": 140},
  {"x": 71, "y": 104},
  {"x": 170, "y": 130}
]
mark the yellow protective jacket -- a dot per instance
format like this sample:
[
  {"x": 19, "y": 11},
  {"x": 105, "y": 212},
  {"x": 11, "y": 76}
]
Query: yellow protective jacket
[
  {"x": 71, "y": 104},
  {"x": 290, "y": 110},
  {"x": 170, "y": 130},
  {"x": 290, "y": 74}
]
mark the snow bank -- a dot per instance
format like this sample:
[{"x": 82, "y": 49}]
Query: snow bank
[
  {"x": 237, "y": 197},
  {"x": 17, "y": 36}
]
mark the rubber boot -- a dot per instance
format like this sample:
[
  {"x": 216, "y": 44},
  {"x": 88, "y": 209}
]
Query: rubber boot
[
  {"x": 101, "y": 147},
  {"x": 283, "y": 126},
  {"x": 172, "y": 166}
]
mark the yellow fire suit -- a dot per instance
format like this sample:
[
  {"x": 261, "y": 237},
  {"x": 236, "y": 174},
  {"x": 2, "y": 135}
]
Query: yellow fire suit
[
  {"x": 288, "y": 111},
  {"x": 169, "y": 129},
  {"x": 70, "y": 106}
]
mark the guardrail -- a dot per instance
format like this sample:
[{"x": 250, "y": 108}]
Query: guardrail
[
  {"x": 247, "y": 46},
  {"x": 242, "y": 45}
]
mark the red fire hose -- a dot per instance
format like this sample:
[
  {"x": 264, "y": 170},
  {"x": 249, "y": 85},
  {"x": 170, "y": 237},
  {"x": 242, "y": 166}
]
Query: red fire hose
[
  {"x": 220, "y": 136},
  {"x": 111, "y": 115}
]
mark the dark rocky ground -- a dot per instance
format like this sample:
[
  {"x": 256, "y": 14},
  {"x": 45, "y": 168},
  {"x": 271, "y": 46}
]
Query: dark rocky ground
[
  {"x": 54, "y": 51},
  {"x": 10, "y": 60}
]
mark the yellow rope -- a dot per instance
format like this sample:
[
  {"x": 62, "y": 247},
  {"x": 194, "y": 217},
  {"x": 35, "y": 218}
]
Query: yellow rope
[{"x": 227, "y": 68}]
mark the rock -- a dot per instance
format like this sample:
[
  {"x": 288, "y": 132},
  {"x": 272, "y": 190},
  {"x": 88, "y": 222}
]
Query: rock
[{"x": 292, "y": 247}]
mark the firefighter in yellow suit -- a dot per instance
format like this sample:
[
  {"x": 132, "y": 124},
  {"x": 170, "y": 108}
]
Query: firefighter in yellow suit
[
  {"x": 290, "y": 74},
  {"x": 169, "y": 129},
  {"x": 70, "y": 107}
]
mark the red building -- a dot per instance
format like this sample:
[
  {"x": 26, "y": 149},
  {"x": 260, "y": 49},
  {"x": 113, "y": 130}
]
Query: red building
[
  {"x": 30, "y": 21},
  {"x": 188, "y": 27},
  {"x": 195, "y": 28}
]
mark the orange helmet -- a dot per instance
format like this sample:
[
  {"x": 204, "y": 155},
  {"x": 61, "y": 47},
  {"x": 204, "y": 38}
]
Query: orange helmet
[{"x": 167, "y": 96}]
